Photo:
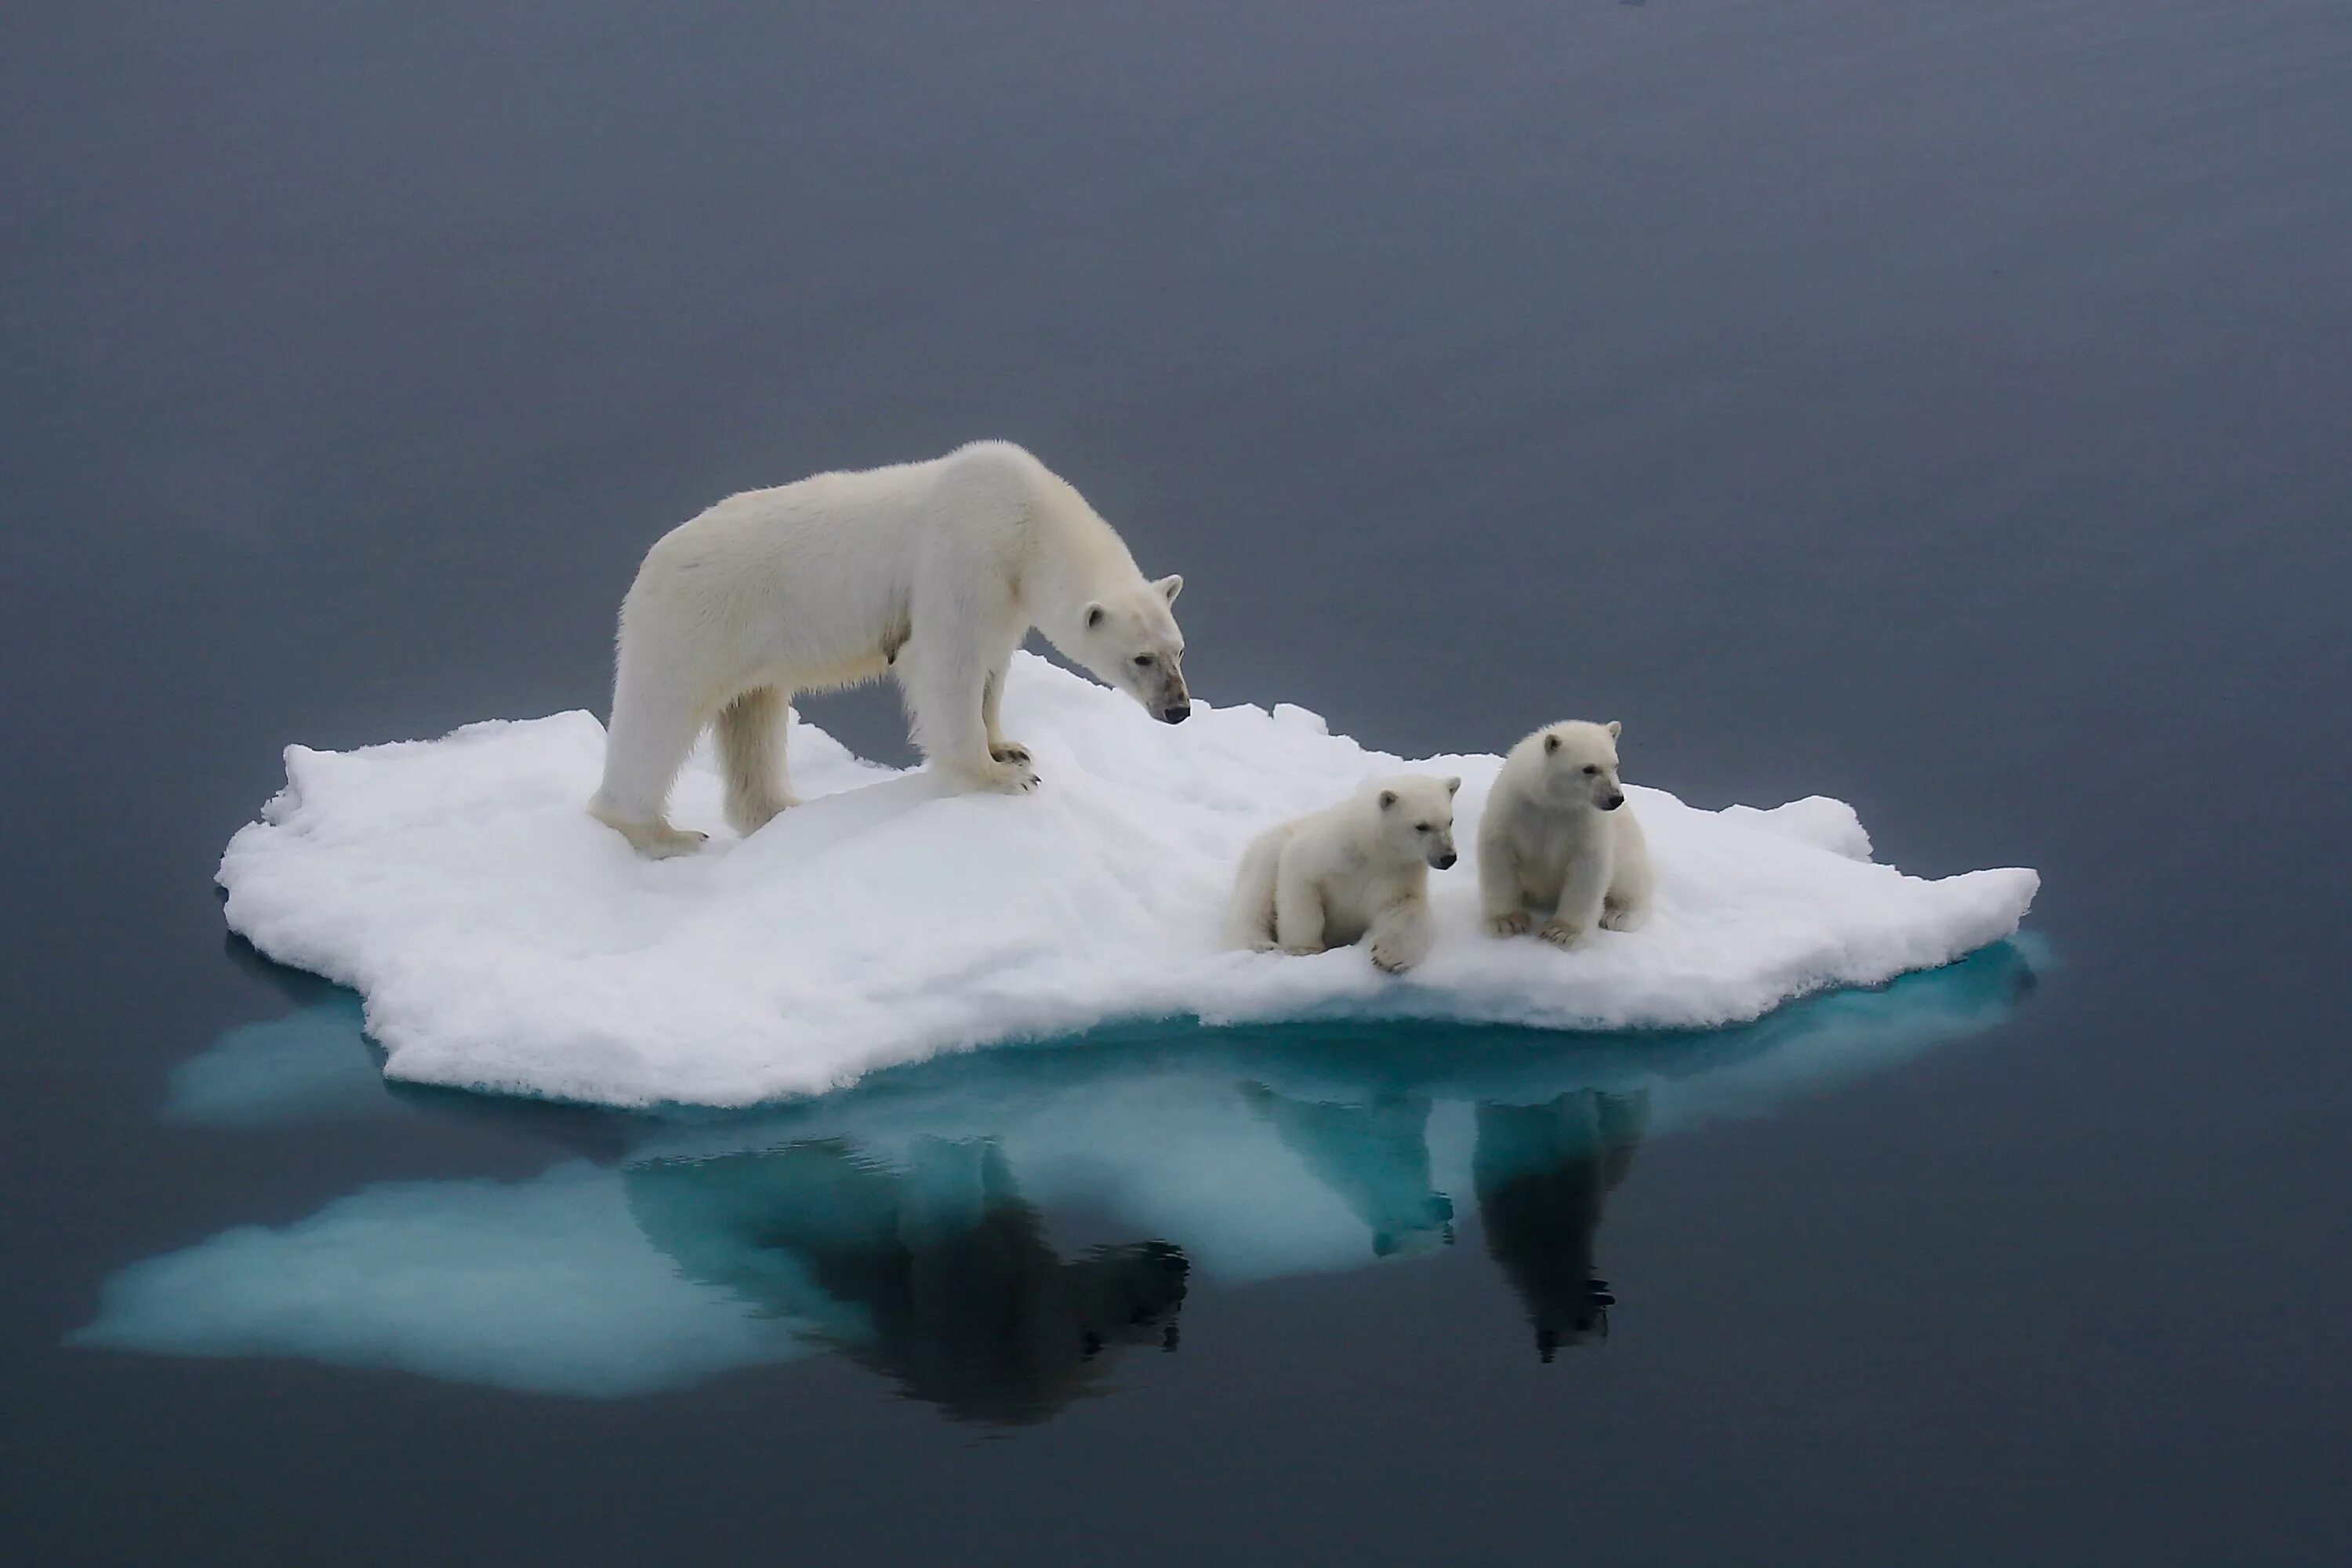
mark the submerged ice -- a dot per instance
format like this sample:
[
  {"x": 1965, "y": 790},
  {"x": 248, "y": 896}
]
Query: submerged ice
[
  {"x": 908, "y": 1223},
  {"x": 502, "y": 940}
]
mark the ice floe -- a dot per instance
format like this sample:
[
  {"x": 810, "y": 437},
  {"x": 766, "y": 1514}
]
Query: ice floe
[{"x": 504, "y": 941}]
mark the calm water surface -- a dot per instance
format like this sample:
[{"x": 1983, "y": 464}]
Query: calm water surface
[{"x": 1942, "y": 407}]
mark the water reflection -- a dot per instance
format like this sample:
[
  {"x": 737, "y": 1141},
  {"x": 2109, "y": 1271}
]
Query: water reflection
[
  {"x": 938, "y": 1276},
  {"x": 1374, "y": 1156},
  {"x": 988, "y": 1232},
  {"x": 1543, "y": 1173}
]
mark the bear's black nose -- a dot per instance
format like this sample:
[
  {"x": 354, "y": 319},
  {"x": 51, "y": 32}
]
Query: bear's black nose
[
  {"x": 1444, "y": 861},
  {"x": 1613, "y": 803},
  {"x": 1176, "y": 712}
]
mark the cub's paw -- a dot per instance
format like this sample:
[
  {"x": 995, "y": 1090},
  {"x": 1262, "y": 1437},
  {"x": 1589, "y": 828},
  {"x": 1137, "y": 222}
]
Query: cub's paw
[
  {"x": 1391, "y": 959},
  {"x": 1296, "y": 952},
  {"x": 1617, "y": 917},
  {"x": 1010, "y": 752},
  {"x": 1559, "y": 933},
  {"x": 1516, "y": 923}
]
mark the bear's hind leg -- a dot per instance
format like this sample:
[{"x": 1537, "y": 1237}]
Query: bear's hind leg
[
  {"x": 1299, "y": 916},
  {"x": 655, "y": 840},
  {"x": 1249, "y": 917},
  {"x": 1618, "y": 913},
  {"x": 1632, "y": 882},
  {"x": 751, "y": 755},
  {"x": 1502, "y": 894},
  {"x": 644, "y": 746}
]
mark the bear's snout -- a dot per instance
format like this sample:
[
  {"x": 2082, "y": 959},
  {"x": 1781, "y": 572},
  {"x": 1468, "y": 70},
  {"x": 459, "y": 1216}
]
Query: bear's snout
[
  {"x": 1613, "y": 803},
  {"x": 1176, "y": 712},
  {"x": 1447, "y": 859}
]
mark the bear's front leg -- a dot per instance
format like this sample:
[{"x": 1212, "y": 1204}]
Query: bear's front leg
[
  {"x": 947, "y": 691},
  {"x": 1579, "y": 901},
  {"x": 1298, "y": 911},
  {"x": 1401, "y": 935},
  {"x": 991, "y": 696},
  {"x": 1560, "y": 932}
]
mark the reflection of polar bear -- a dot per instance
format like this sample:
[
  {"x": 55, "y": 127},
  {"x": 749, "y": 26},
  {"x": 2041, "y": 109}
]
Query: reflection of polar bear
[
  {"x": 939, "y": 1277},
  {"x": 1375, "y": 1156},
  {"x": 1358, "y": 869},
  {"x": 1557, "y": 840},
  {"x": 934, "y": 572},
  {"x": 1543, "y": 1173}
]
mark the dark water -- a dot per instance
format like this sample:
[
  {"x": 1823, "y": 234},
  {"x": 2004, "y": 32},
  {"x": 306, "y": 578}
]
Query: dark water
[{"x": 1941, "y": 407}]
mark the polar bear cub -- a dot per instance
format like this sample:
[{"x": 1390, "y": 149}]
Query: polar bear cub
[
  {"x": 932, "y": 572},
  {"x": 1358, "y": 869},
  {"x": 1558, "y": 839}
]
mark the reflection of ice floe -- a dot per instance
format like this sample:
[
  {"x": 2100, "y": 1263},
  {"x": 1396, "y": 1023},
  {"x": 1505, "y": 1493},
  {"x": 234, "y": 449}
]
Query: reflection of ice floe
[
  {"x": 313, "y": 1063},
  {"x": 545, "y": 1284},
  {"x": 506, "y": 941},
  {"x": 905, "y": 1221}
]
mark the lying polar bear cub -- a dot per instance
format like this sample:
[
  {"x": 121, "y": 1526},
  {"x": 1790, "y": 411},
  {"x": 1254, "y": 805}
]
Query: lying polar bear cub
[
  {"x": 1358, "y": 869},
  {"x": 933, "y": 571},
  {"x": 1557, "y": 839}
]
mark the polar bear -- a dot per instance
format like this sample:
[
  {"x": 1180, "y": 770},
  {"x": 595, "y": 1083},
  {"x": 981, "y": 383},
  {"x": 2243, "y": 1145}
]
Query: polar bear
[
  {"x": 1360, "y": 868},
  {"x": 934, "y": 572},
  {"x": 1557, "y": 838}
]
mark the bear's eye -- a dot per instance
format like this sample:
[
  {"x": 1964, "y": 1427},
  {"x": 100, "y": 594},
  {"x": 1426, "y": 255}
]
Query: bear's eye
[
  {"x": 1421, "y": 827},
  {"x": 1144, "y": 661},
  {"x": 1590, "y": 769}
]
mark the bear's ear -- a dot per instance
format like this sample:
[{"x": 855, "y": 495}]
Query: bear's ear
[
  {"x": 1388, "y": 798},
  {"x": 1551, "y": 743},
  {"x": 1169, "y": 586},
  {"x": 1452, "y": 786},
  {"x": 1094, "y": 616},
  {"x": 1615, "y": 729}
]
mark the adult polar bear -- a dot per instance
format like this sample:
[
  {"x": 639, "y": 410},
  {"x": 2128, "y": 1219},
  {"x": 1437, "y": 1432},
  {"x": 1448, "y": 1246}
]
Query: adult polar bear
[{"x": 933, "y": 571}]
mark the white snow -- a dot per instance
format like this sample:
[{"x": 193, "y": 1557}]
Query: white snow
[{"x": 504, "y": 941}]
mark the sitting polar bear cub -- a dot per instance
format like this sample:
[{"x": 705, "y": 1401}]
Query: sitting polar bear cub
[
  {"x": 934, "y": 572},
  {"x": 1556, "y": 839},
  {"x": 1358, "y": 869}
]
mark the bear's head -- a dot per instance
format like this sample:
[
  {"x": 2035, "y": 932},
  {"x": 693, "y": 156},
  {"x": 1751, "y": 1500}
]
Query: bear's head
[
  {"x": 1130, "y": 641},
  {"x": 1416, "y": 816},
  {"x": 1580, "y": 764}
]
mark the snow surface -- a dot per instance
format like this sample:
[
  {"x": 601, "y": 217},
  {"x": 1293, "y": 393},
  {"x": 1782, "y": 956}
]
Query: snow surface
[
  {"x": 1261, "y": 1151},
  {"x": 504, "y": 940}
]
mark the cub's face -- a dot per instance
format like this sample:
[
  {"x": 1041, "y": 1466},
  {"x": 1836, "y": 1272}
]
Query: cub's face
[
  {"x": 1417, "y": 816},
  {"x": 1580, "y": 764},
  {"x": 1131, "y": 642}
]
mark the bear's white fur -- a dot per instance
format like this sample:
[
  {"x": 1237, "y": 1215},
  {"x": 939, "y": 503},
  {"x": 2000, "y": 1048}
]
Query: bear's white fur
[
  {"x": 1358, "y": 869},
  {"x": 1557, "y": 840},
  {"x": 933, "y": 571}
]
